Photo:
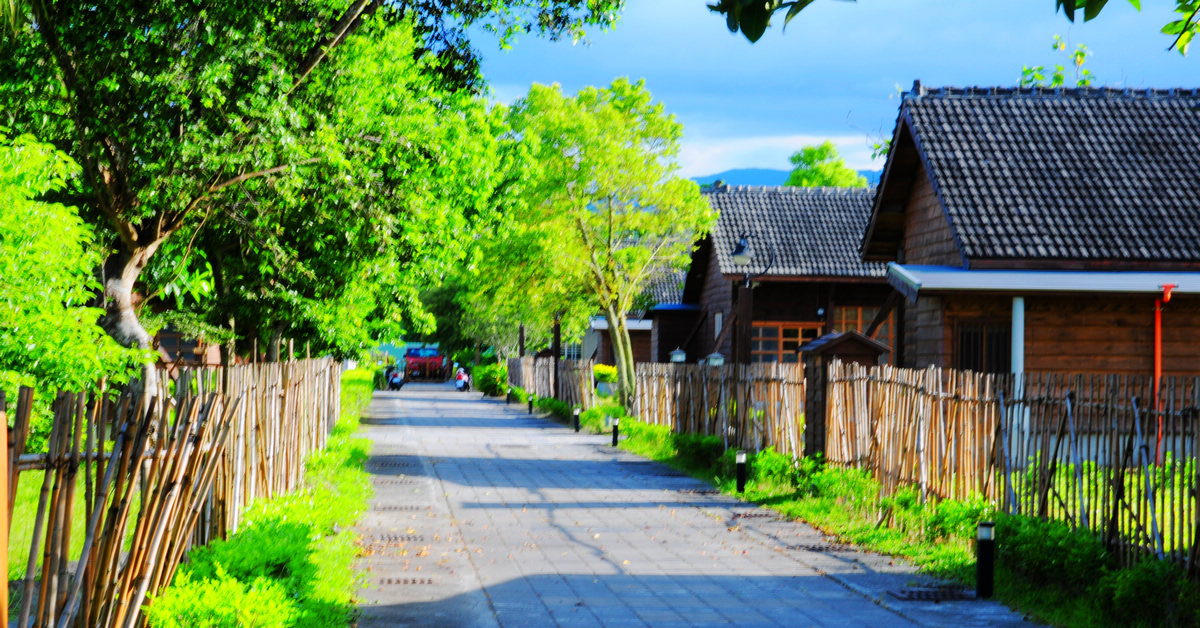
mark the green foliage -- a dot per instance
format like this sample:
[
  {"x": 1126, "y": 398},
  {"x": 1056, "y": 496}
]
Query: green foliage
[
  {"x": 604, "y": 373},
  {"x": 752, "y": 17},
  {"x": 491, "y": 379},
  {"x": 1151, "y": 593},
  {"x": 1037, "y": 76},
  {"x": 48, "y": 335},
  {"x": 267, "y": 175},
  {"x": 291, "y": 563},
  {"x": 820, "y": 166},
  {"x": 604, "y": 208},
  {"x": 1050, "y": 552},
  {"x": 558, "y": 408},
  {"x": 222, "y": 600}
]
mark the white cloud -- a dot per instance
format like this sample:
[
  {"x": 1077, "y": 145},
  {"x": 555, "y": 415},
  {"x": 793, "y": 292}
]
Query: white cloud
[{"x": 709, "y": 155}]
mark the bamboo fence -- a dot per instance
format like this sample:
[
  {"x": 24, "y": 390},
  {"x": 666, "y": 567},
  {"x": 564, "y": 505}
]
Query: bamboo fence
[
  {"x": 750, "y": 406},
  {"x": 1102, "y": 453},
  {"x": 160, "y": 473},
  {"x": 569, "y": 381}
]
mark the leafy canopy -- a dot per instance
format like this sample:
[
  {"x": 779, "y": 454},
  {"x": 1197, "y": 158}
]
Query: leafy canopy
[
  {"x": 607, "y": 195},
  {"x": 48, "y": 335},
  {"x": 752, "y": 17},
  {"x": 820, "y": 166}
]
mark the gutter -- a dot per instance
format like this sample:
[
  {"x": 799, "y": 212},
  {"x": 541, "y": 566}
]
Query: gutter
[{"x": 903, "y": 281}]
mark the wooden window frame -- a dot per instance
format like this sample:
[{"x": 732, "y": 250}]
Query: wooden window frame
[
  {"x": 863, "y": 322},
  {"x": 959, "y": 326},
  {"x": 779, "y": 352}
]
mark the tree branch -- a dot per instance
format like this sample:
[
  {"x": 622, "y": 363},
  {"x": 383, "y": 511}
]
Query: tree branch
[{"x": 345, "y": 26}]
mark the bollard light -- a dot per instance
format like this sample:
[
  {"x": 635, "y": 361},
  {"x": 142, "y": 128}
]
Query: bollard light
[
  {"x": 530, "y": 404},
  {"x": 741, "y": 470},
  {"x": 507, "y": 395},
  {"x": 576, "y": 419},
  {"x": 985, "y": 559},
  {"x": 616, "y": 430}
]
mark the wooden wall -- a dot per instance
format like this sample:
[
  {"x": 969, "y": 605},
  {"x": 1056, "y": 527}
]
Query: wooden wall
[
  {"x": 927, "y": 235},
  {"x": 1111, "y": 334},
  {"x": 671, "y": 329},
  {"x": 641, "y": 347},
  {"x": 717, "y": 296},
  {"x": 1065, "y": 334}
]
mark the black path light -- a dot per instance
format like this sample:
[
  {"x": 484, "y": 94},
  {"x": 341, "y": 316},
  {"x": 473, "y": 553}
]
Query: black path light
[
  {"x": 576, "y": 413},
  {"x": 616, "y": 430},
  {"x": 985, "y": 558},
  {"x": 740, "y": 459}
]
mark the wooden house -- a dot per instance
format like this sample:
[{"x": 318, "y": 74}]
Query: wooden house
[
  {"x": 1044, "y": 230},
  {"x": 805, "y": 276}
]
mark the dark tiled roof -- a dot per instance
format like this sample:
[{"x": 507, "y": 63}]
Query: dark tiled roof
[
  {"x": 1088, "y": 174},
  {"x": 815, "y": 231},
  {"x": 667, "y": 288}
]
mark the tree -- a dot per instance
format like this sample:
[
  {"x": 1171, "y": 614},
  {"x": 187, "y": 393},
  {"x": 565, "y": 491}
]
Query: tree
[
  {"x": 177, "y": 111},
  {"x": 1036, "y": 76},
  {"x": 752, "y": 17},
  {"x": 607, "y": 192},
  {"x": 817, "y": 166},
  {"x": 48, "y": 337}
]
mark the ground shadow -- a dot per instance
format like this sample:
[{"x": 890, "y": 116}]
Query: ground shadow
[{"x": 630, "y": 599}]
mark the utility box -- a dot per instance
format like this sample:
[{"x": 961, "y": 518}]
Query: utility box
[{"x": 816, "y": 354}]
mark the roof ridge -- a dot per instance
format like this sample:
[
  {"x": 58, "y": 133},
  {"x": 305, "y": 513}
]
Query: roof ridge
[
  {"x": 789, "y": 189},
  {"x": 920, "y": 91}
]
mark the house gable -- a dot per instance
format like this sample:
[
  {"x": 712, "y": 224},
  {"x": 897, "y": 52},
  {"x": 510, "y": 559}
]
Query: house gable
[
  {"x": 1072, "y": 178},
  {"x": 908, "y": 220}
]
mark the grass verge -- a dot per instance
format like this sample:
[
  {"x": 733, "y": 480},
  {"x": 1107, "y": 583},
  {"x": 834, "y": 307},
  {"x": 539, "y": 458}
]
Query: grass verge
[{"x": 291, "y": 563}]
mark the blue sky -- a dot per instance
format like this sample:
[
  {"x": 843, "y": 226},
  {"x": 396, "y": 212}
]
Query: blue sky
[{"x": 836, "y": 71}]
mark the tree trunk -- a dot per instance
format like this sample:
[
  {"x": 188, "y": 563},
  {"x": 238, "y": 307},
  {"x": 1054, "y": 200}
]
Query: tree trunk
[
  {"x": 618, "y": 334},
  {"x": 120, "y": 321},
  {"x": 121, "y": 271},
  {"x": 273, "y": 348}
]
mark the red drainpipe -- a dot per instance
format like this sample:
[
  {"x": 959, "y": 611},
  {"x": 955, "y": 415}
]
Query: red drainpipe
[{"x": 1158, "y": 307}]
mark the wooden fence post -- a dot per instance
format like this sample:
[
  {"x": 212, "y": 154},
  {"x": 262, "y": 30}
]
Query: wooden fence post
[{"x": 4, "y": 484}]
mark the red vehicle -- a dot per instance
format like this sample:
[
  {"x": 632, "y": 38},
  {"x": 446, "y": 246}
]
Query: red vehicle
[{"x": 425, "y": 363}]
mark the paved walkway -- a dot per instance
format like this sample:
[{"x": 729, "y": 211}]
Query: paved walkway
[{"x": 485, "y": 516}]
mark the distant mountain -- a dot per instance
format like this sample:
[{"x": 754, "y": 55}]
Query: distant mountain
[
  {"x": 766, "y": 176},
  {"x": 746, "y": 176}
]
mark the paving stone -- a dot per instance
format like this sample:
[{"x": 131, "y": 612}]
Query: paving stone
[{"x": 484, "y": 516}]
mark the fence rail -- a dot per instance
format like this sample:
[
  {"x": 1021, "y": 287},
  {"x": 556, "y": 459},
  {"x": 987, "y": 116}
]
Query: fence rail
[
  {"x": 750, "y": 406},
  {"x": 1104, "y": 453},
  {"x": 569, "y": 381},
  {"x": 158, "y": 477}
]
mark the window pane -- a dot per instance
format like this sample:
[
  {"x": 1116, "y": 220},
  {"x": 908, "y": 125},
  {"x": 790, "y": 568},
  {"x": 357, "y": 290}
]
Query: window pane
[
  {"x": 809, "y": 334},
  {"x": 767, "y": 332},
  {"x": 791, "y": 358},
  {"x": 791, "y": 345},
  {"x": 791, "y": 332},
  {"x": 767, "y": 345},
  {"x": 765, "y": 357}
]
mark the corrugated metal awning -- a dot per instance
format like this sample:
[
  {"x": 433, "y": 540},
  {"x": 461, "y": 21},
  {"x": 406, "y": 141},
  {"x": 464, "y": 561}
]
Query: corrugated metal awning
[{"x": 913, "y": 280}]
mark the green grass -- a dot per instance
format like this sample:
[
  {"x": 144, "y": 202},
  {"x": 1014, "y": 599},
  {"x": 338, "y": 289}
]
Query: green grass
[{"x": 291, "y": 563}]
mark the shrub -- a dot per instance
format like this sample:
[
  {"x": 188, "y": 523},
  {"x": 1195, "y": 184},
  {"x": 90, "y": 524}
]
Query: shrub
[
  {"x": 222, "y": 600},
  {"x": 771, "y": 467},
  {"x": 558, "y": 408},
  {"x": 491, "y": 379},
  {"x": 698, "y": 452},
  {"x": 1151, "y": 593},
  {"x": 605, "y": 373},
  {"x": 1050, "y": 552}
]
